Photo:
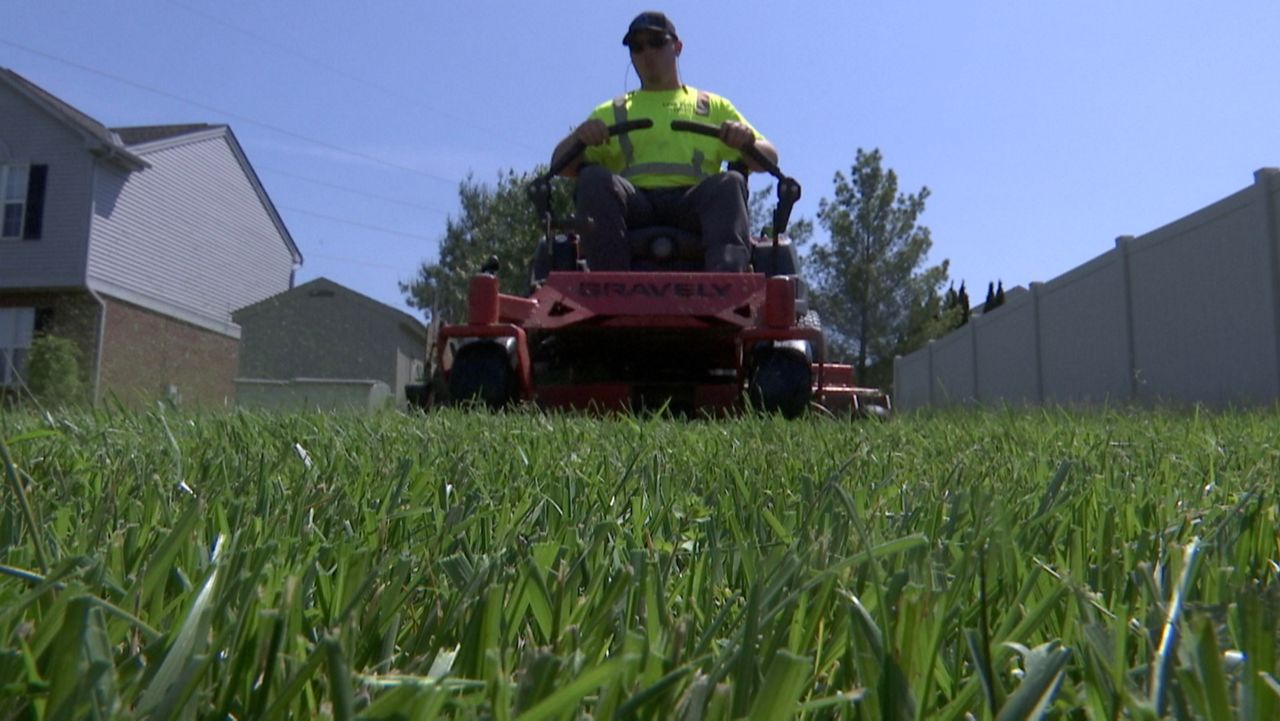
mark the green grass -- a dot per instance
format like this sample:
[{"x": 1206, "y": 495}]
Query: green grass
[{"x": 524, "y": 566}]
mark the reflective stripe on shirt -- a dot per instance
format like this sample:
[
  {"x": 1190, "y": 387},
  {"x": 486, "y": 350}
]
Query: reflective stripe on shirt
[{"x": 624, "y": 140}]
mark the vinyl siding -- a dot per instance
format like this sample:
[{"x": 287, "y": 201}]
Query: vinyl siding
[
  {"x": 29, "y": 135},
  {"x": 188, "y": 236}
]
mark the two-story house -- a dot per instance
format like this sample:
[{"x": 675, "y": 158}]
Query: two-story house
[{"x": 136, "y": 243}]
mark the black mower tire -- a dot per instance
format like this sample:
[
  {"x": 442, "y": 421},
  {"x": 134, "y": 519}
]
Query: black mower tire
[
  {"x": 482, "y": 373},
  {"x": 781, "y": 382}
]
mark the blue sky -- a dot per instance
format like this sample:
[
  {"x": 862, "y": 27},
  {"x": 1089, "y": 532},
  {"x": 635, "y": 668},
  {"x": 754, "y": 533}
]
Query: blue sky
[{"x": 1043, "y": 130}]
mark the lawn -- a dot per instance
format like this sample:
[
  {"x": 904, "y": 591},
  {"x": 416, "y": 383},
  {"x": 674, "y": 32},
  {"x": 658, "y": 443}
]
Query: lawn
[{"x": 997, "y": 565}]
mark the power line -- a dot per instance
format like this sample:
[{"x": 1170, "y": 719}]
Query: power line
[
  {"x": 236, "y": 116},
  {"x": 466, "y": 121},
  {"x": 357, "y": 224},
  {"x": 353, "y": 191},
  {"x": 355, "y": 261}
]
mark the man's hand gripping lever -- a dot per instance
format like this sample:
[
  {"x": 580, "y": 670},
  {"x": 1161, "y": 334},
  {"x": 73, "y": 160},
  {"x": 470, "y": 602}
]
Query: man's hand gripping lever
[
  {"x": 540, "y": 188},
  {"x": 788, "y": 187}
]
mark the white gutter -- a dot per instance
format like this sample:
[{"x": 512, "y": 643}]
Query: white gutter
[
  {"x": 102, "y": 305},
  {"x": 102, "y": 331}
]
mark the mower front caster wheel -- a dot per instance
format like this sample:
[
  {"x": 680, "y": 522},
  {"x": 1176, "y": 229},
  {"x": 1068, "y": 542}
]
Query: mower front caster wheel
[{"x": 781, "y": 382}]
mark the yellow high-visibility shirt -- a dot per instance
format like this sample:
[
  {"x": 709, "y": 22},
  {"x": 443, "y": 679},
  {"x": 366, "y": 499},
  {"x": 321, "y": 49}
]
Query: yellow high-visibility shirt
[{"x": 659, "y": 157}]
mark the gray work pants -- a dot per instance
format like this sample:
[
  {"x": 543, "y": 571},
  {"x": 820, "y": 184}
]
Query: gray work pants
[{"x": 716, "y": 209}]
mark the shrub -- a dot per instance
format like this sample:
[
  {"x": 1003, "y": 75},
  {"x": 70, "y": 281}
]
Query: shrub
[{"x": 53, "y": 371}]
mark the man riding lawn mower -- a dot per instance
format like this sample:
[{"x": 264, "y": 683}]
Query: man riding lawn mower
[{"x": 655, "y": 296}]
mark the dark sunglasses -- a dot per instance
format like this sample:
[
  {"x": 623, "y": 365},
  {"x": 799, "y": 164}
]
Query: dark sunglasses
[{"x": 653, "y": 43}]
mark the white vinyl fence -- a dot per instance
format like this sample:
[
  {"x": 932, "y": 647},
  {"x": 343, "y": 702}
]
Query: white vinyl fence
[
  {"x": 1184, "y": 314},
  {"x": 313, "y": 394}
]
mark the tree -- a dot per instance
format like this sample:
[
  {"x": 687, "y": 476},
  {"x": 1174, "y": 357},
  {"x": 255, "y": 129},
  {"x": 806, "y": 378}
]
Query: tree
[
  {"x": 930, "y": 317},
  {"x": 995, "y": 296},
  {"x": 956, "y": 307},
  {"x": 951, "y": 307},
  {"x": 876, "y": 296},
  {"x": 495, "y": 221}
]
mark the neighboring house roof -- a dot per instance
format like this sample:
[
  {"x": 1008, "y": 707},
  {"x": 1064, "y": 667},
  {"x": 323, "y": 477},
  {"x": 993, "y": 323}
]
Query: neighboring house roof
[
  {"x": 1014, "y": 292},
  {"x": 139, "y": 134},
  {"x": 324, "y": 285},
  {"x": 143, "y": 139},
  {"x": 104, "y": 141}
]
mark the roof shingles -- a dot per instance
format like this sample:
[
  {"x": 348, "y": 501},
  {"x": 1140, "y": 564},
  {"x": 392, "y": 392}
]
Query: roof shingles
[{"x": 139, "y": 134}]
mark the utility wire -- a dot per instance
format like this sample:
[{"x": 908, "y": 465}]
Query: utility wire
[
  {"x": 356, "y": 261},
  {"x": 469, "y": 122},
  {"x": 347, "y": 189},
  {"x": 235, "y": 116},
  {"x": 358, "y": 224}
]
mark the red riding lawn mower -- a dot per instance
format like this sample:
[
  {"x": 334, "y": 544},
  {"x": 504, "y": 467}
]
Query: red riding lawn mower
[{"x": 666, "y": 335}]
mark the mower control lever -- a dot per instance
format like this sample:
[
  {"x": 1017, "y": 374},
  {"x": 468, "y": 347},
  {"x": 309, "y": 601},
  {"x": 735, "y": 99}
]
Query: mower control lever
[
  {"x": 788, "y": 188},
  {"x": 540, "y": 187},
  {"x": 578, "y": 146},
  {"x": 713, "y": 131}
]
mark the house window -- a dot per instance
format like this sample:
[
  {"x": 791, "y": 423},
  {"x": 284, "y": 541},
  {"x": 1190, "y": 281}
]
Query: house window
[
  {"x": 22, "y": 200},
  {"x": 17, "y": 326},
  {"x": 13, "y": 191}
]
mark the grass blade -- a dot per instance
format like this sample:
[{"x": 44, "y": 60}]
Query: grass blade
[
  {"x": 783, "y": 686},
  {"x": 339, "y": 680},
  {"x": 1045, "y": 666},
  {"x": 982, "y": 663},
  {"x": 166, "y": 688},
  {"x": 570, "y": 696},
  {"x": 11, "y": 474},
  {"x": 1165, "y": 655},
  {"x": 1213, "y": 676},
  {"x": 81, "y": 669}
]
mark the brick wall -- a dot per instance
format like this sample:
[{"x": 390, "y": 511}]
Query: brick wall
[
  {"x": 145, "y": 353},
  {"x": 72, "y": 315}
]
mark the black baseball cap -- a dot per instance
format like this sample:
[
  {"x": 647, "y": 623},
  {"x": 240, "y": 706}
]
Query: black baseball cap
[{"x": 655, "y": 21}]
